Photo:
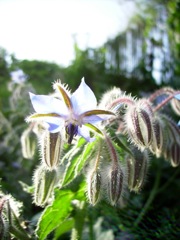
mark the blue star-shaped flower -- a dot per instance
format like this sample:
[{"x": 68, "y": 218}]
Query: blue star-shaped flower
[{"x": 75, "y": 112}]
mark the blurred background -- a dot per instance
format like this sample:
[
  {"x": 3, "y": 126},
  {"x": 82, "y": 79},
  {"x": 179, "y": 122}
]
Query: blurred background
[{"x": 134, "y": 45}]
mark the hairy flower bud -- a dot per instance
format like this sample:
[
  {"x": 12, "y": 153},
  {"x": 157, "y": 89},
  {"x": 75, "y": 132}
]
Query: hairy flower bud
[
  {"x": 113, "y": 177},
  {"x": 94, "y": 187},
  {"x": 44, "y": 182},
  {"x": 28, "y": 143},
  {"x": 51, "y": 147},
  {"x": 172, "y": 130},
  {"x": 171, "y": 148},
  {"x": 115, "y": 184},
  {"x": 137, "y": 167},
  {"x": 2, "y": 224},
  {"x": 1, "y": 228},
  {"x": 176, "y": 106},
  {"x": 175, "y": 154},
  {"x": 138, "y": 121},
  {"x": 158, "y": 139},
  {"x": 109, "y": 97},
  {"x": 172, "y": 153}
]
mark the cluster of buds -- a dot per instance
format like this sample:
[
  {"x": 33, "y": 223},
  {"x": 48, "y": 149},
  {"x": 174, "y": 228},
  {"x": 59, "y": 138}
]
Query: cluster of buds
[
  {"x": 112, "y": 165},
  {"x": 46, "y": 176},
  {"x": 145, "y": 125},
  {"x": 106, "y": 176},
  {"x": 10, "y": 222}
]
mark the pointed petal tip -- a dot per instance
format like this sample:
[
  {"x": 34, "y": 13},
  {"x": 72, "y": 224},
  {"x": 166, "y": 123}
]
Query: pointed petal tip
[
  {"x": 31, "y": 94},
  {"x": 82, "y": 79},
  {"x": 177, "y": 96}
]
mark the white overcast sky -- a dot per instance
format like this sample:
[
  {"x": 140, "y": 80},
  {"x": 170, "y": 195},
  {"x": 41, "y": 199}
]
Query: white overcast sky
[{"x": 44, "y": 29}]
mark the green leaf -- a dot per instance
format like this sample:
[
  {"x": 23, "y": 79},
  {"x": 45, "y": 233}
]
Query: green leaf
[
  {"x": 72, "y": 162},
  {"x": 64, "y": 227},
  {"x": 84, "y": 157},
  {"x": 76, "y": 162},
  {"x": 54, "y": 215}
]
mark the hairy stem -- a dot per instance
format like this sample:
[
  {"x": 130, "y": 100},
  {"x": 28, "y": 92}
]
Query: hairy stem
[
  {"x": 160, "y": 92},
  {"x": 121, "y": 101},
  {"x": 163, "y": 103}
]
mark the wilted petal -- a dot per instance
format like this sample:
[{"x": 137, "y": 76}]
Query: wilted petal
[
  {"x": 84, "y": 132},
  {"x": 83, "y": 99},
  {"x": 48, "y": 104}
]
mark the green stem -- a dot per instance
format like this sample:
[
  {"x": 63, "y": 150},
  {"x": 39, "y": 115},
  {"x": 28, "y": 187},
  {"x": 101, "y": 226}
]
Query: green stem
[
  {"x": 79, "y": 221},
  {"x": 91, "y": 232},
  {"x": 150, "y": 199}
]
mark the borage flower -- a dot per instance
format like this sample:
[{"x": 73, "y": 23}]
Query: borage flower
[{"x": 76, "y": 113}]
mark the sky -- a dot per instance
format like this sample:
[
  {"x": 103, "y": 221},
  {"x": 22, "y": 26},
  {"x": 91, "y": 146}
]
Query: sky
[{"x": 46, "y": 29}]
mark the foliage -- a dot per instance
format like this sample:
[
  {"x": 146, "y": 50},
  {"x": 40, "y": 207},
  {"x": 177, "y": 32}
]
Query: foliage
[{"x": 78, "y": 206}]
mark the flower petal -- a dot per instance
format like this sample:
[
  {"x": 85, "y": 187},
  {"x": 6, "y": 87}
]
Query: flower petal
[
  {"x": 92, "y": 119},
  {"x": 53, "y": 128},
  {"x": 84, "y": 132},
  {"x": 177, "y": 96},
  {"x": 64, "y": 94},
  {"x": 51, "y": 118},
  {"x": 83, "y": 99},
  {"x": 96, "y": 116},
  {"x": 94, "y": 128},
  {"x": 48, "y": 104}
]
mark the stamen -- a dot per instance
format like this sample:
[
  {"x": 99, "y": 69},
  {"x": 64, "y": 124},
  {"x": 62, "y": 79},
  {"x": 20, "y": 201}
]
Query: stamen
[{"x": 71, "y": 131}]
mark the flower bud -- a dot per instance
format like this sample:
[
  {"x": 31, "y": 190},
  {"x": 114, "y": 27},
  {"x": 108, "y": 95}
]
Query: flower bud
[
  {"x": 171, "y": 148},
  {"x": 44, "y": 182},
  {"x": 2, "y": 224},
  {"x": 167, "y": 151},
  {"x": 137, "y": 167},
  {"x": 115, "y": 180},
  {"x": 28, "y": 143},
  {"x": 94, "y": 187},
  {"x": 51, "y": 146},
  {"x": 1, "y": 228},
  {"x": 176, "y": 106},
  {"x": 158, "y": 139},
  {"x": 115, "y": 184},
  {"x": 139, "y": 125},
  {"x": 109, "y": 97},
  {"x": 172, "y": 130},
  {"x": 175, "y": 154}
]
